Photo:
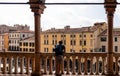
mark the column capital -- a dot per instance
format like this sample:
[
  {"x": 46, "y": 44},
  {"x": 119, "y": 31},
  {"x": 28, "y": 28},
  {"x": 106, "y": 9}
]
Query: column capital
[
  {"x": 110, "y": 6},
  {"x": 37, "y": 6}
]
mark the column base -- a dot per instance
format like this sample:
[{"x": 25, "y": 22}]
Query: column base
[{"x": 36, "y": 74}]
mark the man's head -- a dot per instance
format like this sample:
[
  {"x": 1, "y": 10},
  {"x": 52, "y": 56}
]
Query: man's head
[{"x": 60, "y": 42}]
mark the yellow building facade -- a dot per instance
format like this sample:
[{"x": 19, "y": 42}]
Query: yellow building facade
[
  {"x": 76, "y": 40},
  {"x": 4, "y": 42},
  {"x": 27, "y": 45},
  {"x": 79, "y": 40}
]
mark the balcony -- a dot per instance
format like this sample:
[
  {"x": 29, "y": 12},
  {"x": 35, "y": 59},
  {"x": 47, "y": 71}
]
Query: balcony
[{"x": 74, "y": 63}]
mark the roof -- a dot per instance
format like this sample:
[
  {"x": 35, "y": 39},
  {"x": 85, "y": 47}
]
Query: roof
[
  {"x": 29, "y": 39},
  {"x": 97, "y": 25},
  {"x": 116, "y": 32},
  {"x": 23, "y": 31},
  {"x": 67, "y": 29}
]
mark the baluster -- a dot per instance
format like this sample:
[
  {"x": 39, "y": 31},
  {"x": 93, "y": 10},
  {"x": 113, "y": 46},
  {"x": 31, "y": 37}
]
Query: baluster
[
  {"x": 16, "y": 65},
  {"x": 103, "y": 66},
  {"x": 21, "y": 65},
  {"x": 33, "y": 64},
  {"x": 45, "y": 65},
  {"x": 97, "y": 66},
  {"x": 50, "y": 65},
  {"x": 116, "y": 66},
  {"x": 85, "y": 66},
  {"x": 68, "y": 65},
  {"x": 4, "y": 65},
  {"x": 10, "y": 65},
  {"x": 73, "y": 66},
  {"x": 91, "y": 66},
  {"x": 27, "y": 65}
]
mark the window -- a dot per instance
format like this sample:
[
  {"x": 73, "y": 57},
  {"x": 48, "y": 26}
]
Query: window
[
  {"x": 72, "y": 36},
  {"x": 71, "y": 50},
  {"x": 84, "y": 50},
  {"x": 84, "y": 35},
  {"x": 45, "y": 50},
  {"x": 91, "y": 35},
  {"x": 103, "y": 39},
  {"x": 9, "y": 41},
  {"x": 20, "y": 49},
  {"x": 52, "y": 35},
  {"x": 61, "y": 35},
  {"x": 115, "y": 39},
  {"x": 103, "y": 48},
  {"x": 71, "y": 42},
  {"x": 23, "y": 35},
  {"x": 80, "y": 43},
  {"x": 20, "y": 43},
  {"x": 74, "y": 42},
  {"x": 55, "y": 35},
  {"x": 26, "y": 44},
  {"x": 91, "y": 50},
  {"x": 54, "y": 42},
  {"x": 116, "y": 48},
  {"x": 85, "y": 42},
  {"x": 46, "y": 42},
  {"x": 80, "y": 35},
  {"x": 64, "y": 42}
]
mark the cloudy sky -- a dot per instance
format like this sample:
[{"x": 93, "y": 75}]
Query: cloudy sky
[{"x": 57, "y": 16}]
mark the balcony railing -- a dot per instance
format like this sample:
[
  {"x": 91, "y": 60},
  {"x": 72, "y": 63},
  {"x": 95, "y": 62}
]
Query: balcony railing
[{"x": 74, "y": 63}]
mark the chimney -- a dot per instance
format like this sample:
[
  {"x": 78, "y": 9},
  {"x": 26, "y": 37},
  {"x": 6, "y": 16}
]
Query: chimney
[{"x": 67, "y": 27}]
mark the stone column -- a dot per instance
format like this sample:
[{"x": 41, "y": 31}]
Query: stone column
[
  {"x": 110, "y": 6},
  {"x": 37, "y": 7}
]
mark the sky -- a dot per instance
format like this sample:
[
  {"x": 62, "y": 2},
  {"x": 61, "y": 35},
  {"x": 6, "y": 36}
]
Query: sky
[{"x": 57, "y": 16}]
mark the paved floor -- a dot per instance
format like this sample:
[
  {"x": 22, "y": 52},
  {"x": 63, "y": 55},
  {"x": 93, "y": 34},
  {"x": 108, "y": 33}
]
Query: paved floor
[{"x": 43, "y": 75}]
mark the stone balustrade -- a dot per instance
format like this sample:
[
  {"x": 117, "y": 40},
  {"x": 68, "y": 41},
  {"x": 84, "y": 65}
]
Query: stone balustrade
[{"x": 74, "y": 63}]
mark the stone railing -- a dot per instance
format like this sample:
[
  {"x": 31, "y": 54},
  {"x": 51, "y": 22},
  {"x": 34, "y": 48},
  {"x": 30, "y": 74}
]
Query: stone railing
[{"x": 74, "y": 63}]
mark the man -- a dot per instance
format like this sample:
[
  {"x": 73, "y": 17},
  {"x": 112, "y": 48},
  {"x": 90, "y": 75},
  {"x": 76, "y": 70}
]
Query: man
[{"x": 59, "y": 52}]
